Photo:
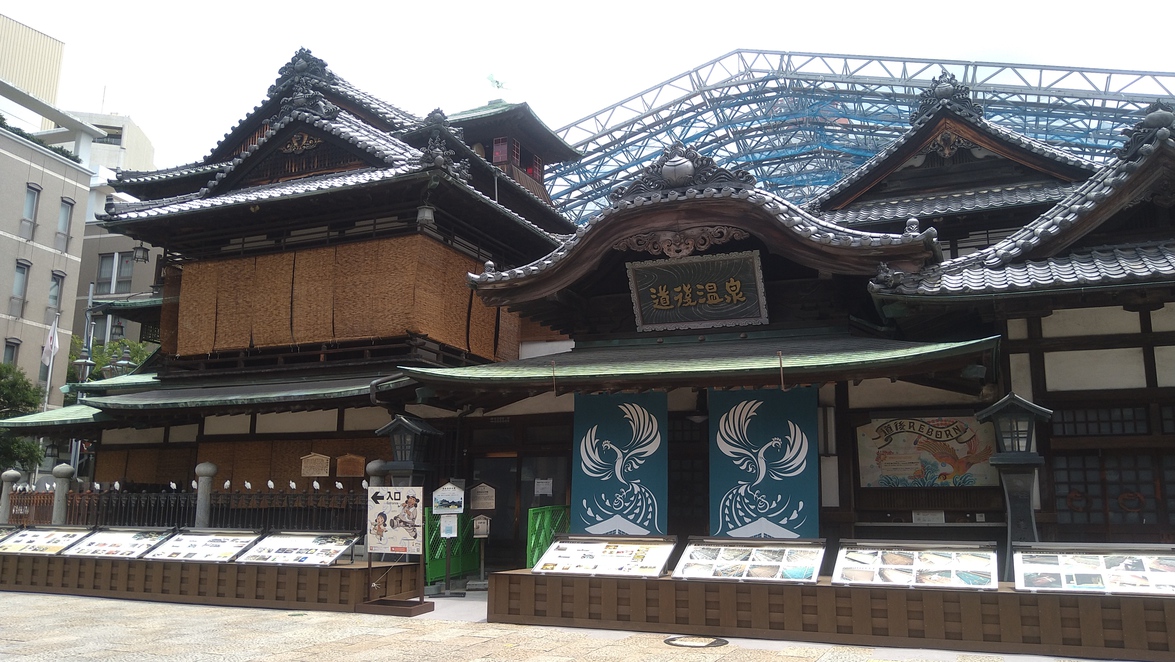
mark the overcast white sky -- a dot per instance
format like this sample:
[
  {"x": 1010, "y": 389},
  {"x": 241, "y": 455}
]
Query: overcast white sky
[{"x": 187, "y": 72}]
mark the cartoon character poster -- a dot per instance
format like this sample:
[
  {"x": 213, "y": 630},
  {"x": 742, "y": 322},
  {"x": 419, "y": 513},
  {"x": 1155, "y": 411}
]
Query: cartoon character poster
[
  {"x": 945, "y": 451},
  {"x": 764, "y": 469},
  {"x": 620, "y": 472},
  {"x": 394, "y": 523}
]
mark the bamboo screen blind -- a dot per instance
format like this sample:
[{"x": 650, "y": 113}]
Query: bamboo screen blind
[{"x": 376, "y": 289}]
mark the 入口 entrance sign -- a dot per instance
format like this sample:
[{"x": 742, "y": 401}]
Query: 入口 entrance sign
[
  {"x": 393, "y": 522},
  {"x": 698, "y": 292}
]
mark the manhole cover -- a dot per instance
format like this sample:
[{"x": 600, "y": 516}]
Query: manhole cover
[{"x": 696, "y": 642}]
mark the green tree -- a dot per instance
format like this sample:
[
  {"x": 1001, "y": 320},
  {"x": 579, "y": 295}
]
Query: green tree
[{"x": 18, "y": 396}]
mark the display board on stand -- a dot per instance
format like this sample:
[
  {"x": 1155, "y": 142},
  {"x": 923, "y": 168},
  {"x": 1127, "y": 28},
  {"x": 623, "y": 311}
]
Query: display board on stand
[
  {"x": 1095, "y": 568},
  {"x": 918, "y": 564},
  {"x": 206, "y": 545},
  {"x": 45, "y": 541},
  {"x": 300, "y": 548},
  {"x": 393, "y": 520},
  {"x": 751, "y": 560},
  {"x": 620, "y": 556},
  {"x": 131, "y": 543}
]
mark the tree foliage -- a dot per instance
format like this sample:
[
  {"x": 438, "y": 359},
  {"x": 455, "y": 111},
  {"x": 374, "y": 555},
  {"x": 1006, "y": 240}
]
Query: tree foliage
[{"x": 18, "y": 396}]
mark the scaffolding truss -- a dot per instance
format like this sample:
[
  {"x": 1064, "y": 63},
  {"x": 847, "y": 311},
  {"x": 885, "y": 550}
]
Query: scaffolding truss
[{"x": 799, "y": 122}]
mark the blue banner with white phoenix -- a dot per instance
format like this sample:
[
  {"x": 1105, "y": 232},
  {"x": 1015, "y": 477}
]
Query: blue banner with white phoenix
[
  {"x": 764, "y": 469},
  {"x": 620, "y": 476}
]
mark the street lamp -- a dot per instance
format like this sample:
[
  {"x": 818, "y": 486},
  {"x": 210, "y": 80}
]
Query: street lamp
[{"x": 1015, "y": 428}]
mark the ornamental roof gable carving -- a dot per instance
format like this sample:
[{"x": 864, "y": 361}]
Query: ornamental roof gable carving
[
  {"x": 947, "y": 121},
  {"x": 1038, "y": 256},
  {"x": 683, "y": 204}
]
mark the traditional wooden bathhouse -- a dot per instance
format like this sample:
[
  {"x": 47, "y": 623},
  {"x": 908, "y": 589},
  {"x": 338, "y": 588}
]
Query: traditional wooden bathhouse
[
  {"x": 322, "y": 243},
  {"x": 961, "y": 263}
]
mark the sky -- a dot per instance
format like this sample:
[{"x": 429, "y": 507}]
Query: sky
[{"x": 187, "y": 72}]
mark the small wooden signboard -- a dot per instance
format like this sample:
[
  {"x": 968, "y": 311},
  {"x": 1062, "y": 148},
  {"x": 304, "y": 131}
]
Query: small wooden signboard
[
  {"x": 350, "y": 466},
  {"x": 315, "y": 464},
  {"x": 482, "y": 497}
]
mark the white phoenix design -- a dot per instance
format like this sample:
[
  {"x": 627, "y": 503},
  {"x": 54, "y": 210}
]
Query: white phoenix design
[
  {"x": 634, "y": 502},
  {"x": 745, "y": 503}
]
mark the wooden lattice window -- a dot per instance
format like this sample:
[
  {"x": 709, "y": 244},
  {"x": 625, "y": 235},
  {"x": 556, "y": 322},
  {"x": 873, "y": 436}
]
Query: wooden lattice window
[
  {"x": 1104, "y": 421},
  {"x": 1112, "y": 489}
]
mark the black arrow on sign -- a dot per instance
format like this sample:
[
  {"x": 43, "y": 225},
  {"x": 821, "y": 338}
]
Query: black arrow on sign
[{"x": 377, "y": 497}]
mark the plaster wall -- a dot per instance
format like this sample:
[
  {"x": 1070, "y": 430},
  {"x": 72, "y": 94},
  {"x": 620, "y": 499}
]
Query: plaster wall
[
  {"x": 1017, "y": 329},
  {"x": 884, "y": 393},
  {"x": 183, "y": 433},
  {"x": 1165, "y": 365},
  {"x": 531, "y": 348},
  {"x": 132, "y": 436},
  {"x": 1089, "y": 322},
  {"x": 366, "y": 418},
  {"x": 298, "y": 421},
  {"x": 1163, "y": 319},
  {"x": 238, "y": 424},
  {"x": 1094, "y": 369},
  {"x": 1021, "y": 377}
]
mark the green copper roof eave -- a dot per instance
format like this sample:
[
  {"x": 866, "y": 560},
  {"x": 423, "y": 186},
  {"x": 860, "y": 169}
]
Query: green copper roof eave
[
  {"x": 619, "y": 365},
  {"x": 131, "y": 381},
  {"x": 71, "y": 415},
  {"x": 244, "y": 396}
]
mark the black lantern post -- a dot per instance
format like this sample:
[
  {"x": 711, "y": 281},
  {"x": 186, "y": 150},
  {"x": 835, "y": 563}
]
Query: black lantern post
[
  {"x": 408, "y": 438},
  {"x": 1017, "y": 461}
]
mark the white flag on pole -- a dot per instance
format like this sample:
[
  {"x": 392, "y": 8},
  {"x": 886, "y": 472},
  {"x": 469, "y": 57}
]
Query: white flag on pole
[{"x": 51, "y": 345}]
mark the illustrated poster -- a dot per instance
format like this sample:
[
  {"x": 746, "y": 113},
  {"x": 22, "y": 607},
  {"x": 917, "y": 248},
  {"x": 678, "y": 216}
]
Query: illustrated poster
[
  {"x": 211, "y": 546},
  {"x": 121, "y": 543},
  {"x": 949, "y": 451},
  {"x": 620, "y": 470},
  {"x": 764, "y": 469},
  {"x": 394, "y": 520},
  {"x": 299, "y": 549}
]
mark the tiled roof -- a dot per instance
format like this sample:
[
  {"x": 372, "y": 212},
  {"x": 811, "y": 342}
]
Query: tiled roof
[
  {"x": 1111, "y": 265},
  {"x": 296, "y": 188},
  {"x": 797, "y": 220},
  {"x": 177, "y": 172},
  {"x": 714, "y": 360},
  {"x": 955, "y": 202},
  {"x": 1034, "y": 146},
  {"x": 391, "y": 150}
]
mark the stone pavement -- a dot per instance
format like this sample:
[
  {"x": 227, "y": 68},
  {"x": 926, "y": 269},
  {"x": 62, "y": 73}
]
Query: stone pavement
[{"x": 35, "y": 627}]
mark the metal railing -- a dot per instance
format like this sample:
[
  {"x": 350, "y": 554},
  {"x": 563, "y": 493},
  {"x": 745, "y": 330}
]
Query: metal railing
[
  {"x": 541, "y": 526},
  {"x": 282, "y": 511}
]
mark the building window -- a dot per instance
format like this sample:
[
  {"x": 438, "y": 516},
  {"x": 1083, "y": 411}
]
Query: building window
[
  {"x": 1109, "y": 489},
  {"x": 28, "y": 220},
  {"x": 114, "y": 273},
  {"x": 43, "y": 372},
  {"x": 56, "y": 285},
  {"x": 501, "y": 145},
  {"x": 1100, "y": 422},
  {"x": 1168, "y": 416},
  {"x": 11, "y": 347},
  {"x": 20, "y": 286},
  {"x": 64, "y": 218}
]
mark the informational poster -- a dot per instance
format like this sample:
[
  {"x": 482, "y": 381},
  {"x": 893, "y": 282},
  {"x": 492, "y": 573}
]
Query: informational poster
[
  {"x": 945, "y": 451},
  {"x": 940, "y": 566},
  {"x": 764, "y": 467},
  {"x": 299, "y": 549},
  {"x": 47, "y": 541},
  {"x": 482, "y": 497},
  {"x": 448, "y": 525},
  {"x": 621, "y": 557},
  {"x": 204, "y": 546},
  {"x": 544, "y": 486},
  {"x": 124, "y": 543},
  {"x": 448, "y": 499},
  {"x": 750, "y": 561},
  {"x": 1089, "y": 572},
  {"x": 393, "y": 520},
  {"x": 620, "y": 468}
]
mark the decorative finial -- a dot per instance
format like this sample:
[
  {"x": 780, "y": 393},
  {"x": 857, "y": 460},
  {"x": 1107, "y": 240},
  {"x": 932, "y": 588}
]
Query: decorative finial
[
  {"x": 302, "y": 68},
  {"x": 946, "y": 89},
  {"x": 680, "y": 167},
  {"x": 1155, "y": 126}
]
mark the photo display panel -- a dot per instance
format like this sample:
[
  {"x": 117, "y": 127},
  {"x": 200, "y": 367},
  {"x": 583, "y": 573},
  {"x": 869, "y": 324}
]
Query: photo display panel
[
  {"x": 299, "y": 548},
  {"x": 211, "y": 546},
  {"x": 621, "y": 557},
  {"x": 124, "y": 543},
  {"x": 6, "y": 531},
  {"x": 41, "y": 541},
  {"x": 751, "y": 561},
  {"x": 1096, "y": 569},
  {"x": 919, "y": 565}
]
